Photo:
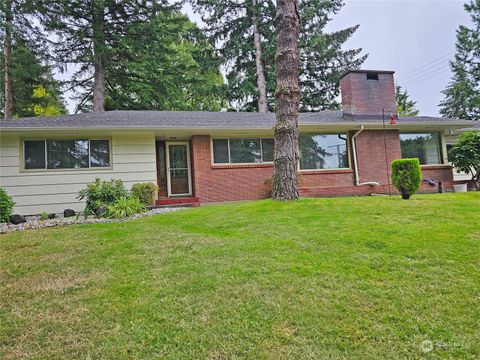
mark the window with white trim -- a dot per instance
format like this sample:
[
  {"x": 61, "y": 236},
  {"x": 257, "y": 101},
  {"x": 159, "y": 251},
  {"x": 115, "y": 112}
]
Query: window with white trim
[
  {"x": 242, "y": 151},
  {"x": 425, "y": 146},
  {"x": 323, "y": 151},
  {"x": 66, "y": 154}
]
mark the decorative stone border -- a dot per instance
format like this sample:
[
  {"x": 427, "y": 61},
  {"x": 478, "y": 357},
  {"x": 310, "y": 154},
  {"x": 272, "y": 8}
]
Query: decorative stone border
[{"x": 34, "y": 222}]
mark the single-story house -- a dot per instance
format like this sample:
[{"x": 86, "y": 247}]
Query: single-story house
[{"x": 221, "y": 156}]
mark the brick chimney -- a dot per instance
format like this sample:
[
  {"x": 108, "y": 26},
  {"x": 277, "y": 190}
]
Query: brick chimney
[{"x": 367, "y": 92}]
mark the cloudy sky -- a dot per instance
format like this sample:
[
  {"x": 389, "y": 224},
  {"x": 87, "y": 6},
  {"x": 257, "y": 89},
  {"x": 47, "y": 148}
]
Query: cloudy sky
[{"x": 414, "y": 38}]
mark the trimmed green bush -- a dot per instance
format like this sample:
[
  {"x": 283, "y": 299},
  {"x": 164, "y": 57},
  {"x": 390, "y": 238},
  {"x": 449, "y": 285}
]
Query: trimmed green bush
[
  {"x": 125, "y": 207},
  {"x": 406, "y": 176},
  {"x": 43, "y": 216},
  {"x": 145, "y": 192},
  {"x": 101, "y": 194},
  {"x": 6, "y": 206}
]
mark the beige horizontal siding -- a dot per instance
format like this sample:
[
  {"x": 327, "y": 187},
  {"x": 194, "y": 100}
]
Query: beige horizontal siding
[
  {"x": 133, "y": 161},
  {"x": 9, "y": 161},
  {"x": 9, "y": 150},
  {"x": 11, "y": 172}
]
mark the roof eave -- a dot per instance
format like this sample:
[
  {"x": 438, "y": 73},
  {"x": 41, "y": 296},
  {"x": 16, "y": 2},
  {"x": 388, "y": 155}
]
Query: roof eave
[{"x": 454, "y": 124}]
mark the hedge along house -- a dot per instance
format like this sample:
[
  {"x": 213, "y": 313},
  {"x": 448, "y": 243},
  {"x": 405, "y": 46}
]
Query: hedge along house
[{"x": 223, "y": 156}]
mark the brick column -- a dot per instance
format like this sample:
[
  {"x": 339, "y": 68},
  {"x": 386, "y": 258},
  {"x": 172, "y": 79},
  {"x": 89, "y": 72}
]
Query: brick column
[
  {"x": 200, "y": 165},
  {"x": 371, "y": 154}
]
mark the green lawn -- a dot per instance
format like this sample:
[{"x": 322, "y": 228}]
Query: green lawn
[{"x": 362, "y": 278}]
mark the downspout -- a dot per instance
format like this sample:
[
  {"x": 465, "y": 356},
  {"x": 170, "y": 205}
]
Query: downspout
[{"x": 355, "y": 162}]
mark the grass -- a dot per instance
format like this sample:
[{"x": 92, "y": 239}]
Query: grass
[{"x": 366, "y": 278}]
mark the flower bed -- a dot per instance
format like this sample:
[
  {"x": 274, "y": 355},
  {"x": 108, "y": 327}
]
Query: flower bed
[{"x": 34, "y": 222}]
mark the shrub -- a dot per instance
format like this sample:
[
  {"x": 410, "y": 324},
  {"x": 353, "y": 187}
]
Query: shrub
[
  {"x": 145, "y": 192},
  {"x": 465, "y": 155},
  {"x": 102, "y": 193},
  {"x": 406, "y": 176},
  {"x": 43, "y": 216},
  {"x": 124, "y": 207},
  {"x": 6, "y": 206}
]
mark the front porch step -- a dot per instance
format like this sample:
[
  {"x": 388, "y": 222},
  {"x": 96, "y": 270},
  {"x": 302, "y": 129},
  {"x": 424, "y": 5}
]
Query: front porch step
[{"x": 180, "y": 201}]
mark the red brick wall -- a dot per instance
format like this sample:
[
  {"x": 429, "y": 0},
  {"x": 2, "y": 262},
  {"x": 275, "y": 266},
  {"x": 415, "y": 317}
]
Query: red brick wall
[
  {"x": 368, "y": 97},
  {"x": 443, "y": 173},
  {"x": 226, "y": 182},
  {"x": 244, "y": 182},
  {"x": 371, "y": 154}
]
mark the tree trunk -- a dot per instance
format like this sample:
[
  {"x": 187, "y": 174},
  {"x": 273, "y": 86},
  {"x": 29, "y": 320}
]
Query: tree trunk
[
  {"x": 261, "y": 82},
  {"x": 8, "y": 112},
  {"x": 99, "y": 58},
  {"x": 287, "y": 101}
]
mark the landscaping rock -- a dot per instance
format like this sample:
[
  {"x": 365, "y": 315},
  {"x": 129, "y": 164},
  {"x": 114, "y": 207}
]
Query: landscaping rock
[
  {"x": 101, "y": 211},
  {"x": 17, "y": 219},
  {"x": 34, "y": 222},
  {"x": 52, "y": 216},
  {"x": 68, "y": 213}
]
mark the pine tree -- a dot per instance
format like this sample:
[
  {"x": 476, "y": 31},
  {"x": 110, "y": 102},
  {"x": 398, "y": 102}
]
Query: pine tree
[
  {"x": 35, "y": 90},
  {"x": 405, "y": 106},
  {"x": 462, "y": 95},
  {"x": 322, "y": 60},
  {"x": 231, "y": 26},
  {"x": 166, "y": 63},
  {"x": 88, "y": 34}
]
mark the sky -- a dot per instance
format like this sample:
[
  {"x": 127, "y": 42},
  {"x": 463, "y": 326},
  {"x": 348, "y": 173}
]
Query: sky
[{"x": 416, "y": 39}]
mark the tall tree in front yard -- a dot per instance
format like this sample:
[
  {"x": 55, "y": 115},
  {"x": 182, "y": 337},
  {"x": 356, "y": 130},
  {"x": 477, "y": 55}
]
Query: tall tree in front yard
[
  {"x": 88, "y": 33},
  {"x": 462, "y": 94},
  {"x": 287, "y": 100}
]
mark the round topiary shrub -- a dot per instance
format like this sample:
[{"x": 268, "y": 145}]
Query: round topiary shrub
[
  {"x": 6, "y": 206},
  {"x": 406, "y": 176}
]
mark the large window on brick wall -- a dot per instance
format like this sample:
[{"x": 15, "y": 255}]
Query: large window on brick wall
[
  {"x": 425, "y": 146},
  {"x": 242, "y": 151},
  {"x": 66, "y": 154},
  {"x": 323, "y": 151}
]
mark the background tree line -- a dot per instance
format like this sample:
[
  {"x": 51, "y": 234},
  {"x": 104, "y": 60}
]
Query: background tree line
[{"x": 146, "y": 54}]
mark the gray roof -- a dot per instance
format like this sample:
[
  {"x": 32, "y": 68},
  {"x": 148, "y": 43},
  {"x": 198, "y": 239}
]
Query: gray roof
[{"x": 205, "y": 120}]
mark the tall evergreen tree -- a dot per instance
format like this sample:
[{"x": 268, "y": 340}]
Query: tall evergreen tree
[
  {"x": 88, "y": 33},
  {"x": 462, "y": 95},
  {"x": 244, "y": 33},
  {"x": 233, "y": 26},
  {"x": 35, "y": 90},
  {"x": 166, "y": 63},
  {"x": 405, "y": 106},
  {"x": 18, "y": 21}
]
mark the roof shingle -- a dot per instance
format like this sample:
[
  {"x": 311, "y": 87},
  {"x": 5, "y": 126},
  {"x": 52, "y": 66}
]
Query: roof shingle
[{"x": 200, "y": 119}]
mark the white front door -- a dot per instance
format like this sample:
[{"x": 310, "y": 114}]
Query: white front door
[{"x": 179, "y": 181}]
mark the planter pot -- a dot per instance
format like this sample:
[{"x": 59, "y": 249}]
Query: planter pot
[{"x": 460, "y": 188}]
